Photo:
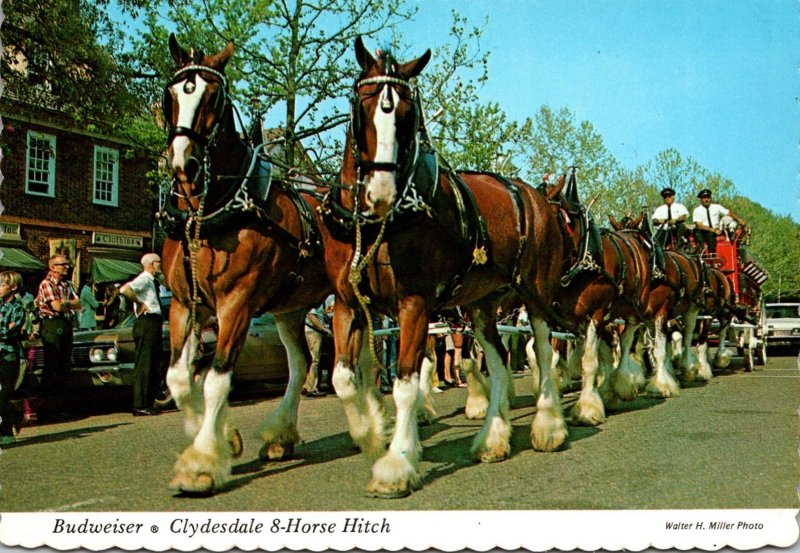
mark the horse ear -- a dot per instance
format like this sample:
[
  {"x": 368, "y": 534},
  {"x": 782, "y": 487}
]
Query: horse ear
[
  {"x": 363, "y": 56},
  {"x": 218, "y": 61},
  {"x": 179, "y": 55},
  {"x": 638, "y": 220},
  {"x": 413, "y": 68},
  {"x": 614, "y": 224}
]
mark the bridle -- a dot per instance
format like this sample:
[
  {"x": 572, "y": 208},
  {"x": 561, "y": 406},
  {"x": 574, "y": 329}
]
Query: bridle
[
  {"x": 410, "y": 155},
  {"x": 220, "y": 103},
  {"x": 204, "y": 141}
]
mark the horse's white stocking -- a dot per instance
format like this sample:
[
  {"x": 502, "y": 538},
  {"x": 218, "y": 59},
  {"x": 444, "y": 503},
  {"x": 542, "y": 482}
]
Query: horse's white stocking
[
  {"x": 628, "y": 379},
  {"x": 206, "y": 464},
  {"x": 477, "y": 390},
  {"x": 533, "y": 363},
  {"x": 426, "y": 407},
  {"x": 365, "y": 412},
  {"x": 723, "y": 356},
  {"x": 689, "y": 364},
  {"x": 279, "y": 431},
  {"x": 677, "y": 345},
  {"x": 589, "y": 408},
  {"x": 662, "y": 383},
  {"x": 549, "y": 429},
  {"x": 396, "y": 474},
  {"x": 493, "y": 442},
  {"x": 606, "y": 358},
  {"x": 705, "y": 368},
  {"x": 185, "y": 391}
]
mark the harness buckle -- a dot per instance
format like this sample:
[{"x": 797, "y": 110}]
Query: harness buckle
[{"x": 194, "y": 245}]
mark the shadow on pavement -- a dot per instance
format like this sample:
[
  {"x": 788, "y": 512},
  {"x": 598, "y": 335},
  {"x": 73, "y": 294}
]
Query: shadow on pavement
[{"x": 22, "y": 440}]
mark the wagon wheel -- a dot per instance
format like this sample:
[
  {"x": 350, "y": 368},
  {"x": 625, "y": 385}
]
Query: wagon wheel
[{"x": 761, "y": 352}]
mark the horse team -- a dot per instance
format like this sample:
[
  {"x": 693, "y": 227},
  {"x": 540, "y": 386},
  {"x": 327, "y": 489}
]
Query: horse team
[{"x": 401, "y": 233}]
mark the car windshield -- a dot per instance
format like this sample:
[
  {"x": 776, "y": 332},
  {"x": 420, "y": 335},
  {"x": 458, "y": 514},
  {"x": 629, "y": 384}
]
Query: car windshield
[{"x": 783, "y": 311}]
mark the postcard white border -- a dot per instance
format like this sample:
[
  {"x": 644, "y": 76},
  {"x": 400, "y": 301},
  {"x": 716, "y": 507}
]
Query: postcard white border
[{"x": 418, "y": 530}]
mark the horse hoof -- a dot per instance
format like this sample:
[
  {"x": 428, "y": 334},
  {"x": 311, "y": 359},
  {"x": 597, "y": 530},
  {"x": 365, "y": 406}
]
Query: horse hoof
[
  {"x": 381, "y": 490},
  {"x": 237, "y": 444},
  {"x": 201, "y": 484},
  {"x": 486, "y": 453},
  {"x": 492, "y": 456},
  {"x": 276, "y": 452}
]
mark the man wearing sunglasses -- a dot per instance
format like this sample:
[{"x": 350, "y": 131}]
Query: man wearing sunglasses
[{"x": 57, "y": 303}]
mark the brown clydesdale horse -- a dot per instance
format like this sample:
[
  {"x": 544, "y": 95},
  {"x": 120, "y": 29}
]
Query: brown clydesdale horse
[
  {"x": 595, "y": 291},
  {"x": 680, "y": 293},
  {"x": 238, "y": 243},
  {"x": 412, "y": 237},
  {"x": 719, "y": 305}
]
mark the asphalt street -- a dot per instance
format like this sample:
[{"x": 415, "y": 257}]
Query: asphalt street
[{"x": 731, "y": 443}]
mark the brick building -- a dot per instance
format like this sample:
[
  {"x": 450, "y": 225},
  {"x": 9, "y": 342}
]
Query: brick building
[{"x": 70, "y": 190}]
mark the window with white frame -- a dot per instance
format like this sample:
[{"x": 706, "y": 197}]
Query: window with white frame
[
  {"x": 40, "y": 164},
  {"x": 106, "y": 176}
]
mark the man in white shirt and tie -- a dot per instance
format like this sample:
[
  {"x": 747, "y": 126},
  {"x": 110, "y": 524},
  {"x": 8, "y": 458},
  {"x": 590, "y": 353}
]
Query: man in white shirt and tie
[
  {"x": 706, "y": 218},
  {"x": 669, "y": 218},
  {"x": 144, "y": 293}
]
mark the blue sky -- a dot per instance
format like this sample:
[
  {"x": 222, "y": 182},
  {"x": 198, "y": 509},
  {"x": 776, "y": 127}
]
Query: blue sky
[{"x": 716, "y": 80}]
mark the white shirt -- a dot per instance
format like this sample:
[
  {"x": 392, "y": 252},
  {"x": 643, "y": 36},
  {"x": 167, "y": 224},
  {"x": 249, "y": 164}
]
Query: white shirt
[
  {"x": 677, "y": 210},
  {"x": 144, "y": 286},
  {"x": 700, "y": 215}
]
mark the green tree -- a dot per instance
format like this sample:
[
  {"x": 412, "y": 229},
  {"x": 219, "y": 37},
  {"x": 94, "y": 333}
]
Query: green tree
[
  {"x": 629, "y": 192},
  {"x": 62, "y": 55},
  {"x": 293, "y": 59},
  {"x": 686, "y": 176},
  {"x": 774, "y": 244},
  {"x": 552, "y": 140}
]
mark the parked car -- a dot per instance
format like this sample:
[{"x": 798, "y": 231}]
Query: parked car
[
  {"x": 783, "y": 324},
  {"x": 106, "y": 357}
]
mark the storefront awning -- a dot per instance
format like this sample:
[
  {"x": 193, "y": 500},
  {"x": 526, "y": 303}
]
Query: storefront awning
[
  {"x": 113, "y": 270},
  {"x": 15, "y": 258}
]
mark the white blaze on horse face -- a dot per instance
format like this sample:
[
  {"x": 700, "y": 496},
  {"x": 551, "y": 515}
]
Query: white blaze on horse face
[
  {"x": 381, "y": 187},
  {"x": 188, "y": 100}
]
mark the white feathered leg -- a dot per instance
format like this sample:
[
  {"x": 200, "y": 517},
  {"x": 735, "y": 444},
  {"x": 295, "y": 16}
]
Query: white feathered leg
[
  {"x": 533, "y": 363},
  {"x": 549, "y": 429},
  {"x": 628, "y": 379},
  {"x": 689, "y": 364},
  {"x": 662, "y": 383},
  {"x": 187, "y": 393},
  {"x": 206, "y": 464},
  {"x": 723, "y": 356},
  {"x": 365, "y": 413},
  {"x": 279, "y": 431},
  {"x": 396, "y": 473},
  {"x": 704, "y": 373},
  {"x": 493, "y": 442},
  {"x": 426, "y": 407},
  {"x": 477, "y": 390},
  {"x": 589, "y": 409}
]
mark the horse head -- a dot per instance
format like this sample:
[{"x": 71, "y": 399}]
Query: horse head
[
  {"x": 194, "y": 104},
  {"x": 386, "y": 116},
  {"x": 627, "y": 222}
]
